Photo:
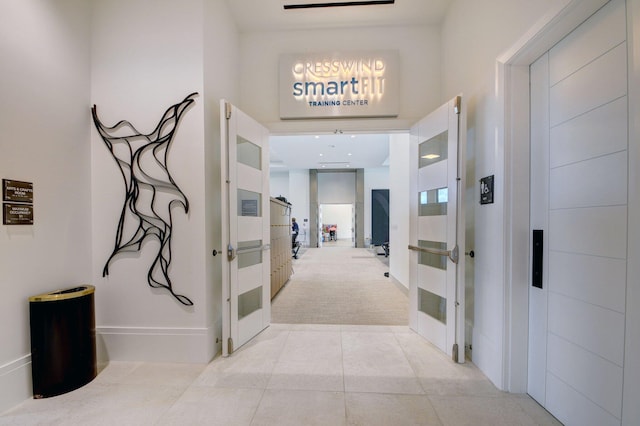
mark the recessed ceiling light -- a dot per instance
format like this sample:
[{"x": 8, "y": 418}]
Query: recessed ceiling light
[
  {"x": 353, "y": 136},
  {"x": 431, "y": 156},
  {"x": 349, "y": 154},
  {"x": 321, "y": 155},
  {"x": 317, "y": 137}
]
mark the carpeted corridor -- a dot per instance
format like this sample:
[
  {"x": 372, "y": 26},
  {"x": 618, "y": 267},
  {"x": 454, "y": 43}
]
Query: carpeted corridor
[{"x": 340, "y": 285}]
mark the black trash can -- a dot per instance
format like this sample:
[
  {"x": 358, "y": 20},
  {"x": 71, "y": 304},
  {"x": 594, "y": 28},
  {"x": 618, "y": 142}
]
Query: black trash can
[{"x": 63, "y": 340}]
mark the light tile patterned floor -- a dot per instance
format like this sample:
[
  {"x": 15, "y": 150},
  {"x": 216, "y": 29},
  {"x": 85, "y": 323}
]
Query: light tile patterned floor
[{"x": 295, "y": 375}]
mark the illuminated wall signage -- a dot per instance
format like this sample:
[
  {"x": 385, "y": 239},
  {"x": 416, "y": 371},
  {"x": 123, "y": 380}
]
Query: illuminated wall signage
[{"x": 360, "y": 84}]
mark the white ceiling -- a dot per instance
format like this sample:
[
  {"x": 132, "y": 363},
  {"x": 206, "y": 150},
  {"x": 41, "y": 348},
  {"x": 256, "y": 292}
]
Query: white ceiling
[
  {"x": 328, "y": 151},
  {"x": 303, "y": 151},
  {"x": 270, "y": 15}
]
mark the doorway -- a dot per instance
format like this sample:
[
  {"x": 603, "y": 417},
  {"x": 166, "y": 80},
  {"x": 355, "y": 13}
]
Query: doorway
[
  {"x": 338, "y": 225},
  {"x": 355, "y": 296}
]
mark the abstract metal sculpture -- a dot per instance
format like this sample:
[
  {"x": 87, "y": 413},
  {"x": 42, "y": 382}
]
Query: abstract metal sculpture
[{"x": 150, "y": 190}]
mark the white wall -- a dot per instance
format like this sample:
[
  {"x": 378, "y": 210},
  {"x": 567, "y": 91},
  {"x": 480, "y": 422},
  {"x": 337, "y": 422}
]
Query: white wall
[
  {"x": 339, "y": 215},
  {"x": 299, "y": 199},
  {"x": 469, "y": 58},
  {"x": 631, "y": 412},
  {"x": 45, "y": 122},
  {"x": 398, "y": 212},
  {"x": 138, "y": 71},
  {"x": 221, "y": 40},
  {"x": 294, "y": 185},
  {"x": 469, "y": 66},
  {"x": 279, "y": 184}
]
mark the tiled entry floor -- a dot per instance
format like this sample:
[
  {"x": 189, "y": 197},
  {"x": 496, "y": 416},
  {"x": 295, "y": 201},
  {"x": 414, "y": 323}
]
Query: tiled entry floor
[{"x": 294, "y": 375}]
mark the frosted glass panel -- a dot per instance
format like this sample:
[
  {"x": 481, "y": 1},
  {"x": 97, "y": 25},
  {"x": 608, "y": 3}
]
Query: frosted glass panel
[
  {"x": 249, "y": 153},
  {"x": 433, "y": 202},
  {"x": 432, "y": 305},
  {"x": 434, "y": 149},
  {"x": 249, "y": 302},
  {"x": 249, "y": 253},
  {"x": 433, "y": 260}
]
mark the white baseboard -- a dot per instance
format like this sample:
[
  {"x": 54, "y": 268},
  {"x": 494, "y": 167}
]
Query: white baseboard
[
  {"x": 487, "y": 357},
  {"x": 400, "y": 285},
  {"x": 152, "y": 344},
  {"x": 187, "y": 345},
  {"x": 15, "y": 383}
]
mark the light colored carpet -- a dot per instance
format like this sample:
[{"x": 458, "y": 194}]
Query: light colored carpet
[{"x": 340, "y": 285}]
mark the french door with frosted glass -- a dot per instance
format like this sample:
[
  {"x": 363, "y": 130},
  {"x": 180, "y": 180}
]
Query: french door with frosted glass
[
  {"x": 436, "y": 291},
  {"x": 246, "y": 287}
]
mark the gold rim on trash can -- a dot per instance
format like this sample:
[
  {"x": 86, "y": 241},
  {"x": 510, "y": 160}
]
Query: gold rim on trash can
[{"x": 70, "y": 293}]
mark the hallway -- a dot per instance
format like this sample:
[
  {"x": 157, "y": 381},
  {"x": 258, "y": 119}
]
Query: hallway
[
  {"x": 294, "y": 375},
  {"x": 339, "y": 284}
]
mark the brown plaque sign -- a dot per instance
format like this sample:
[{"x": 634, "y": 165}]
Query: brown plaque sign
[
  {"x": 17, "y": 214},
  {"x": 14, "y": 190}
]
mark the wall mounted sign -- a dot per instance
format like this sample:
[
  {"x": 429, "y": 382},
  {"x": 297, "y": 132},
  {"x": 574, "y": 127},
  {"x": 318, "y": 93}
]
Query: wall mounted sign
[
  {"x": 250, "y": 208},
  {"x": 17, "y": 214},
  {"x": 17, "y": 206},
  {"x": 338, "y": 85},
  {"x": 17, "y": 191},
  {"x": 486, "y": 190}
]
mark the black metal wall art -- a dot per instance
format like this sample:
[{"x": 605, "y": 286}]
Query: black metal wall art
[{"x": 151, "y": 192}]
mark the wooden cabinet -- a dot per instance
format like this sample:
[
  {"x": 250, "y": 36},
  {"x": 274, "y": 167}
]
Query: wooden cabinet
[{"x": 281, "y": 264}]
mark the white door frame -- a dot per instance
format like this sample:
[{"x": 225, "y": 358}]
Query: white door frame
[{"x": 512, "y": 89}]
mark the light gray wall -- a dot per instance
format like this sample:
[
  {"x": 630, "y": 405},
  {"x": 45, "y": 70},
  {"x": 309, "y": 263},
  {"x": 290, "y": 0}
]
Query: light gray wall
[
  {"x": 336, "y": 187},
  {"x": 45, "y": 122}
]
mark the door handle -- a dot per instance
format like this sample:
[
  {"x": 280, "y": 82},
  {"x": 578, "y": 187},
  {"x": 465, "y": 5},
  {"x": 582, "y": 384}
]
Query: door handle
[
  {"x": 536, "y": 258},
  {"x": 451, "y": 254},
  {"x": 231, "y": 252}
]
